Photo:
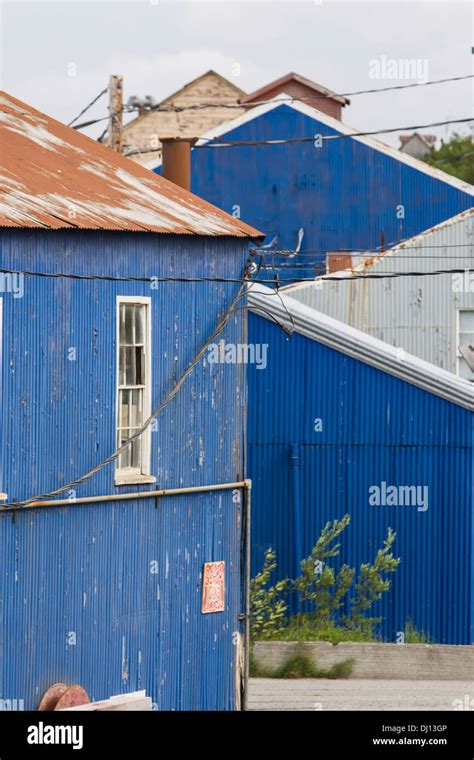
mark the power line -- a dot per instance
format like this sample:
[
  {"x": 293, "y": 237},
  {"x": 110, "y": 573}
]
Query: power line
[
  {"x": 378, "y": 251},
  {"x": 199, "y": 106},
  {"x": 87, "y": 107},
  {"x": 327, "y": 96},
  {"x": 152, "y": 280},
  {"x": 85, "y": 124},
  {"x": 313, "y": 138}
]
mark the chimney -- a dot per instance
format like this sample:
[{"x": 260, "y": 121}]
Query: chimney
[{"x": 176, "y": 157}]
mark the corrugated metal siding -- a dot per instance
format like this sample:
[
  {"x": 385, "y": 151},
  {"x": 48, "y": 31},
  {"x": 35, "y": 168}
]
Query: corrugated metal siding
[
  {"x": 344, "y": 195},
  {"x": 55, "y": 177},
  {"x": 418, "y": 314},
  {"x": 86, "y": 568},
  {"x": 375, "y": 428}
]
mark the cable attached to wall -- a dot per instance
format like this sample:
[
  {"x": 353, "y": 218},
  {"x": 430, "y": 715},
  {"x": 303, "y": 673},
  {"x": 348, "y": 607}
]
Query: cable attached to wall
[{"x": 250, "y": 269}]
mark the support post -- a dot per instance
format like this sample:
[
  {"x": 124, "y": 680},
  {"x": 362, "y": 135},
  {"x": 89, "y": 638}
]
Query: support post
[{"x": 115, "y": 131}]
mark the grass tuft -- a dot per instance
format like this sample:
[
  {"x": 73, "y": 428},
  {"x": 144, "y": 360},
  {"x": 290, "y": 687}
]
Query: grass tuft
[{"x": 301, "y": 666}]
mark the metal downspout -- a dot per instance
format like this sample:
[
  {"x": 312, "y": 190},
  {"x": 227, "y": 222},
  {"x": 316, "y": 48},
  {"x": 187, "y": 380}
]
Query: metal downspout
[{"x": 296, "y": 502}]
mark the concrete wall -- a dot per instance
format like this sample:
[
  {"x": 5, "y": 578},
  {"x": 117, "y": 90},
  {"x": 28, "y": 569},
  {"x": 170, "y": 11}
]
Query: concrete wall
[{"x": 396, "y": 661}]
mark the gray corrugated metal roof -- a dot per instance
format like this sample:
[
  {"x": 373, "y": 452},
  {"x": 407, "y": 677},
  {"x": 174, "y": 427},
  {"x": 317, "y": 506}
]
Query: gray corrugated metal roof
[{"x": 295, "y": 316}]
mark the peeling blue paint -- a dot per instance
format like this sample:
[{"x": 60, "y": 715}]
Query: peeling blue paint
[{"x": 85, "y": 569}]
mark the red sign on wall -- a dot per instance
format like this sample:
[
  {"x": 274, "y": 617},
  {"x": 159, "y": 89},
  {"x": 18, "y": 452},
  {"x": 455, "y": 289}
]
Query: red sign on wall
[{"x": 213, "y": 587}]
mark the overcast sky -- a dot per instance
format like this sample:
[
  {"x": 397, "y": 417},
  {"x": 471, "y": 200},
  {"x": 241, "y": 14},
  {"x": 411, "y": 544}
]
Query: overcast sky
[{"x": 58, "y": 55}]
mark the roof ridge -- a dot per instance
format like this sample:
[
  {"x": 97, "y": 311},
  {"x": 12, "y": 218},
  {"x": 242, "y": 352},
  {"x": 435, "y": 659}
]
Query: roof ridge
[{"x": 337, "y": 126}]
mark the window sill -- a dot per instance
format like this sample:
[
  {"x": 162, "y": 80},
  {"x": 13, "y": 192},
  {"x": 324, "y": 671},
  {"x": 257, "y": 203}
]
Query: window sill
[{"x": 130, "y": 479}]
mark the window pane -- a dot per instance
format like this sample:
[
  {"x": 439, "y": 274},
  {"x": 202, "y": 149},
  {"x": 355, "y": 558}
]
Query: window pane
[
  {"x": 466, "y": 321},
  {"x": 122, "y": 366},
  {"x": 139, "y": 366},
  {"x": 129, "y": 309},
  {"x": 131, "y": 457},
  {"x": 124, "y": 409},
  {"x": 136, "y": 460},
  {"x": 464, "y": 370},
  {"x": 124, "y": 458},
  {"x": 139, "y": 317},
  {"x": 122, "y": 324},
  {"x": 136, "y": 408},
  {"x": 130, "y": 369}
]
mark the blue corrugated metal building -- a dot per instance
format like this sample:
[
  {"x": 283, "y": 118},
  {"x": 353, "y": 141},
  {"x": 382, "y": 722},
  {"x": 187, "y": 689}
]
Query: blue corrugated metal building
[
  {"x": 352, "y": 193},
  {"x": 384, "y": 417},
  {"x": 108, "y": 594},
  {"x": 356, "y": 194}
]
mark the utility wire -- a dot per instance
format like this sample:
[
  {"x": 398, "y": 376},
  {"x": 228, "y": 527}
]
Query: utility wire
[
  {"x": 313, "y": 138},
  {"x": 198, "y": 106},
  {"x": 323, "y": 96},
  {"x": 394, "y": 247},
  {"x": 87, "y": 107},
  {"x": 85, "y": 124},
  {"x": 283, "y": 141},
  {"x": 151, "y": 280},
  {"x": 78, "y": 481}
]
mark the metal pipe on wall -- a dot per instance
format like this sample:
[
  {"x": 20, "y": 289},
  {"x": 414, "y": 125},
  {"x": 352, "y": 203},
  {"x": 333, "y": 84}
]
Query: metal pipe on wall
[
  {"x": 245, "y": 485},
  {"x": 131, "y": 496},
  {"x": 295, "y": 487}
]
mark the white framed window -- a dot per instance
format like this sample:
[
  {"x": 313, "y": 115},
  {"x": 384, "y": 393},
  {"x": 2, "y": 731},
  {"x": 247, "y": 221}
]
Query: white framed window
[
  {"x": 465, "y": 341},
  {"x": 133, "y": 388}
]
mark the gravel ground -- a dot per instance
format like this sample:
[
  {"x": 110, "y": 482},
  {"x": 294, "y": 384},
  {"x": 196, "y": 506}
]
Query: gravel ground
[{"x": 355, "y": 694}]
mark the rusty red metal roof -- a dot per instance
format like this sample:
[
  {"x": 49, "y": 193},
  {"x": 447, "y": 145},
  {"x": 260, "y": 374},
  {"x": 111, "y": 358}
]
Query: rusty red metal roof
[{"x": 53, "y": 177}]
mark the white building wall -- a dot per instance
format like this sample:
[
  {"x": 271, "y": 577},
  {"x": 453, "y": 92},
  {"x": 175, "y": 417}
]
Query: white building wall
[{"x": 418, "y": 314}]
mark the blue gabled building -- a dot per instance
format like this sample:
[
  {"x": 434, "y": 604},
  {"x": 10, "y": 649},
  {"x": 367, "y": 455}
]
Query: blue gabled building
[
  {"x": 112, "y": 280},
  {"x": 384, "y": 420},
  {"x": 341, "y": 423},
  {"x": 345, "y": 192}
]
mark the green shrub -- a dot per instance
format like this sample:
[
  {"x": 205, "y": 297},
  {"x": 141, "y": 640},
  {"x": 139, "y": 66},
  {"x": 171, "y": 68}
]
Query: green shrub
[
  {"x": 301, "y": 666},
  {"x": 321, "y": 593},
  {"x": 341, "y": 669},
  {"x": 371, "y": 585},
  {"x": 267, "y": 608},
  {"x": 318, "y": 584},
  {"x": 297, "y": 666},
  {"x": 413, "y": 636}
]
